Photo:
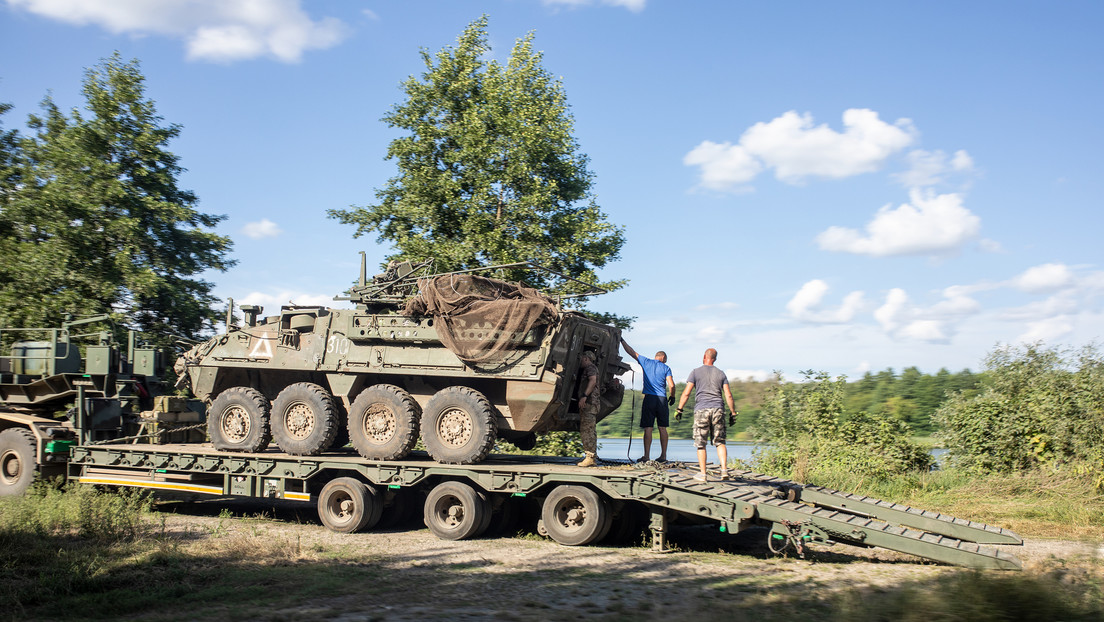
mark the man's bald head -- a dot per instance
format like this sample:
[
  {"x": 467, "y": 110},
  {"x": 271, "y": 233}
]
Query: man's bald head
[{"x": 710, "y": 356}]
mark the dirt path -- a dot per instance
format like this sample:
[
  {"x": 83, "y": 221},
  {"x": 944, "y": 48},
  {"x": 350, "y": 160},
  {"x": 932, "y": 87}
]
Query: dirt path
[{"x": 709, "y": 576}]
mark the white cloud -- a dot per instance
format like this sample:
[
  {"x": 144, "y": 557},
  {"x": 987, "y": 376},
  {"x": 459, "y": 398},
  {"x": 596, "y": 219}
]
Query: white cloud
[
  {"x": 928, "y": 168},
  {"x": 263, "y": 228},
  {"x": 796, "y": 148},
  {"x": 1048, "y": 330},
  {"x": 723, "y": 166},
  {"x": 635, "y": 6},
  {"x": 1045, "y": 278},
  {"x": 929, "y": 225},
  {"x": 712, "y": 334},
  {"x": 760, "y": 375},
  {"x": 936, "y": 324},
  {"x": 213, "y": 30},
  {"x": 806, "y": 305}
]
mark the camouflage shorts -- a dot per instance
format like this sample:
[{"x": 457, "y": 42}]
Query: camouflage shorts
[{"x": 709, "y": 420}]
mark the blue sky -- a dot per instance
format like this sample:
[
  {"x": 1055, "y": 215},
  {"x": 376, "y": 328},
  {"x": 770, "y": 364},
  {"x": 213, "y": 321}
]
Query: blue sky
[{"x": 843, "y": 186}]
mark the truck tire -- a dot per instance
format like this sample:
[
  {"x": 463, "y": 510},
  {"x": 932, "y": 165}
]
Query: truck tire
[
  {"x": 383, "y": 422},
  {"x": 304, "y": 419},
  {"x": 238, "y": 420},
  {"x": 17, "y": 461},
  {"x": 575, "y": 515},
  {"x": 455, "y": 511},
  {"x": 348, "y": 505},
  {"x": 458, "y": 426}
]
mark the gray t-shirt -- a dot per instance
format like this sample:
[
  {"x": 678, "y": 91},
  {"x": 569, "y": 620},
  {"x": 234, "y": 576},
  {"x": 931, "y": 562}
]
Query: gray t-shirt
[{"x": 708, "y": 384}]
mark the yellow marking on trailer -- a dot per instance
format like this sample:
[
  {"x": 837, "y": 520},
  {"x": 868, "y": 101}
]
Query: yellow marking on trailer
[
  {"x": 211, "y": 490},
  {"x": 297, "y": 496}
]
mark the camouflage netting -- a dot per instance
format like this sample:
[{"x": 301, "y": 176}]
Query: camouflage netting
[{"x": 481, "y": 319}]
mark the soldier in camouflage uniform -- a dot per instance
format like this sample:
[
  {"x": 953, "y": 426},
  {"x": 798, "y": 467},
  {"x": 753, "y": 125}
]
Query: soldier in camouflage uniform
[
  {"x": 710, "y": 383},
  {"x": 589, "y": 403}
]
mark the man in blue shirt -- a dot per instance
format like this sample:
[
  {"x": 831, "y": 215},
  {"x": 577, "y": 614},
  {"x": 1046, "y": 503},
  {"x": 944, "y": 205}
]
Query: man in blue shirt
[{"x": 659, "y": 387}]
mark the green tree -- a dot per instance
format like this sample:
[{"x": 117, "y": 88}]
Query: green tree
[
  {"x": 98, "y": 223},
  {"x": 489, "y": 172}
]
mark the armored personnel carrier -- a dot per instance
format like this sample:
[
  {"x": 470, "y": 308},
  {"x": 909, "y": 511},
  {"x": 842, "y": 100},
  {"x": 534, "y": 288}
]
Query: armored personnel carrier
[{"x": 458, "y": 358}]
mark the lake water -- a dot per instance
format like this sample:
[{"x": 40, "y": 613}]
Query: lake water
[
  {"x": 678, "y": 449},
  {"x": 682, "y": 449}
]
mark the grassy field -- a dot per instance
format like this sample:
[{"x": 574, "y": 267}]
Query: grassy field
[{"x": 81, "y": 554}]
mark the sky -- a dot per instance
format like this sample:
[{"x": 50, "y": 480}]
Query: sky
[{"x": 836, "y": 186}]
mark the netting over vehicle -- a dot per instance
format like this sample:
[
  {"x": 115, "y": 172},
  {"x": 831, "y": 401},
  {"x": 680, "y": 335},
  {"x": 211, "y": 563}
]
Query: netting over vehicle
[{"x": 481, "y": 319}]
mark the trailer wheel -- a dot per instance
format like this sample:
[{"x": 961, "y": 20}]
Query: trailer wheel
[
  {"x": 458, "y": 426},
  {"x": 17, "y": 461},
  {"x": 575, "y": 515},
  {"x": 383, "y": 422},
  {"x": 455, "y": 511},
  {"x": 304, "y": 419},
  {"x": 347, "y": 505},
  {"x": 238, "y": 420}
]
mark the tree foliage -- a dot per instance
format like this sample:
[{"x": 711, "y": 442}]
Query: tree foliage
[
  {"x": 489, "y": 172},
  {"x": 812, "y": 437},
  {"x": 1039, "y": 407},
  {"x": 92, "y": 219}
]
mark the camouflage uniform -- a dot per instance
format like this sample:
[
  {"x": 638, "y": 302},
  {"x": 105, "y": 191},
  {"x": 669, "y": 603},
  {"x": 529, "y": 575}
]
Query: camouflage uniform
[{"x": 588, "y": 416}]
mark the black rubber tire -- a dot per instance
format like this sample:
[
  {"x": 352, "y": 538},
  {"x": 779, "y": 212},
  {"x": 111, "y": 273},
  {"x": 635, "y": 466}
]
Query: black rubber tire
[
  {"x": 17, "y": 461},
  {"x": 506, "y": 518},
  {"x": 238, "y": 420},
  {"x": 455, "y": 511},
  {"x": 575, "y": 515},
  {"x": 629, "y": 524},
  {"x": 458, "y": 426},
  {"x": 348, "y": 505},
  {"x": 304, "y": 419},
  {"x": 383, "y": 422}
]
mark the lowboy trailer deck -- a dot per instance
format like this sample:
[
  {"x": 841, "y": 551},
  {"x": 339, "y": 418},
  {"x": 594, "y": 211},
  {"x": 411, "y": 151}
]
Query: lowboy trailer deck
[{"x": 577, "y": 505}]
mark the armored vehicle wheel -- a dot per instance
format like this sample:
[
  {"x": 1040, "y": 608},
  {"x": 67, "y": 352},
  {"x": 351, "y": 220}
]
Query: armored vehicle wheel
[
  {"x": 304, "y": 419},
  {"x": 383, "y": 422},
  {"x": 17, "y": 461},
  {"x": 455, "y": 511},
  {"x": 238, "y": 420},
  {"x": 575, "y": 515},
  {"x": 347, "y": 505},
  {"x": 458, "y": 426}
]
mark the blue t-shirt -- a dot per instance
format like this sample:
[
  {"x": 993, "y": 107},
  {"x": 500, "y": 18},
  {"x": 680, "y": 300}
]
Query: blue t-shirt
[
  {"x": 655, "y": 376},
  {"x": 708, "y": 387}
]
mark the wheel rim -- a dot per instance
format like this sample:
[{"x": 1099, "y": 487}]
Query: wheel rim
[
  {"x": 299, "y": 420},
  {"x": 379, "y": 424},
  {"x": 454, "y": 427},
  {"x": 341, "y": 507},
  {"x": 235, "y": 424},
  {"x": 449, "y": 511},
  {"x": 11, "y": 467},
  {"x": 571, "y": 514}
]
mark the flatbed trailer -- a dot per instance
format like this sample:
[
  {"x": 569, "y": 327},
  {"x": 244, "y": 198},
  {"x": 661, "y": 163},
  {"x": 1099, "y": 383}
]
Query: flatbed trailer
[{"x": 577, "y": 505}]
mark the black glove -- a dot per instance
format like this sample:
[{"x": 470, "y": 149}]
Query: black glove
[
  {"x": 671, "y": 399},
  {"x": 678, "y": 415},
  {"x": 731, "y": 418}
]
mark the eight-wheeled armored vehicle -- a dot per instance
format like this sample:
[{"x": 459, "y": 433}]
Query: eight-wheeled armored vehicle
[{"x": 458, "y": 358}]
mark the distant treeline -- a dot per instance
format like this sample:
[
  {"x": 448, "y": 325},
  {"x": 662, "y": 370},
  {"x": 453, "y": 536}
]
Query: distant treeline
[{"x": 910, "y": 396}]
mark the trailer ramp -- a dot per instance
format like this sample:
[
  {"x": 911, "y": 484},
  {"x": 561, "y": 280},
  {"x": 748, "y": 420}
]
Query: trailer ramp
[{"x": 799, "y": 515}]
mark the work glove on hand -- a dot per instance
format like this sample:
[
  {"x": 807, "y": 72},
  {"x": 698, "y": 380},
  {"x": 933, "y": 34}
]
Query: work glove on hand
[
  {"x": 678, "y": 415},
  {"x": 731, "y": 418},
  {"x": 671, "y": 399}
]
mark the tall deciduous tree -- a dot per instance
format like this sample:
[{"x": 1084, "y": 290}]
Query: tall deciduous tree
[
  {"x": 490, "y": 172},
  {"x": 97, "y": 222}
]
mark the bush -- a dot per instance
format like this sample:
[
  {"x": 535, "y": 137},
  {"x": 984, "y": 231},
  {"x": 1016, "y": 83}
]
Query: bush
[
  {"x": 1039, "y": 408},
  {"x": 812, "y": 438}
]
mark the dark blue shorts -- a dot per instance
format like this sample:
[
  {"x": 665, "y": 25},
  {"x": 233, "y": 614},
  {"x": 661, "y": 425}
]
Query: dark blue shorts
[{"x": 654, "y": 411}]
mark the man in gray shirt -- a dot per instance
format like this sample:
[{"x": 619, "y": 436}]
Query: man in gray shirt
[{"x": 710, "y": 384}]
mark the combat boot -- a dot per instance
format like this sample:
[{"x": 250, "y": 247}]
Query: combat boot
[{"x": 589, "y": 461}]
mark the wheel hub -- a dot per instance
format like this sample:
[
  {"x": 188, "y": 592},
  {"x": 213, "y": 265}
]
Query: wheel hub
[
  {"x": 235, "y": 424},
  {"x": 571, "y": 514},
  {"x": 12, "y": 466},
  {"x": 455, "y": 427},
  {"x": 299, "y": 420},
  {"x": 379, "y": 424}
]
